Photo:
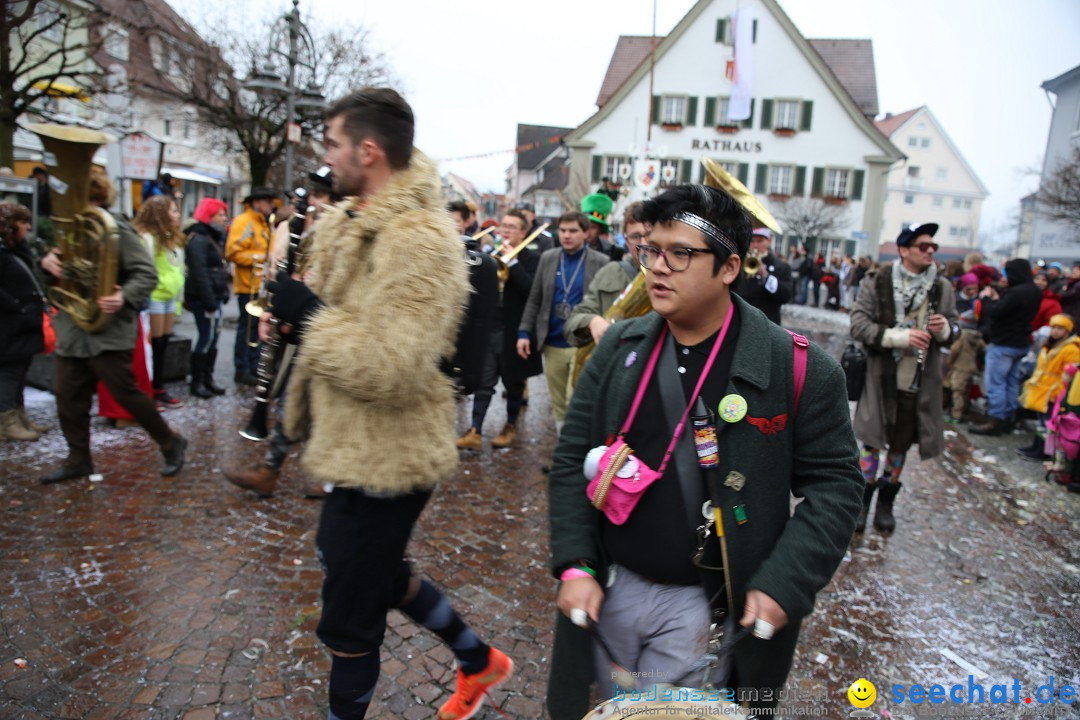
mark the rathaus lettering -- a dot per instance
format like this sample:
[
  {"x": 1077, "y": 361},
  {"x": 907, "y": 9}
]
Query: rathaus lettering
[{"x": 726, "y": 146}]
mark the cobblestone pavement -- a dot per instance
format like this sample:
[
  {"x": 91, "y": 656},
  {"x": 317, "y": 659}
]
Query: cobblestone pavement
[{"x": 142, "y": 597}]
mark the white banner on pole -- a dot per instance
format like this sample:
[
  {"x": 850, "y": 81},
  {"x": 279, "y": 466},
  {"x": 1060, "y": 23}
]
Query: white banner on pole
[{"x": 739, "y": 106}]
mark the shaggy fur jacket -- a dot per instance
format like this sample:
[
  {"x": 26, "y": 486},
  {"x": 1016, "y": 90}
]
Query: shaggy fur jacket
[{"x": 367, "y": 379}]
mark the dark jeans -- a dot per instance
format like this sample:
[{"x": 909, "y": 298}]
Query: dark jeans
[
  {"x": 361, "y": 545},
  {"x": 493, "y": 369},
  {"x": 209, "y": 327},
  {"x": 13, "y": 382},
  {"x": 76, "y": 379},
  {"x": 246, "y": 358}
]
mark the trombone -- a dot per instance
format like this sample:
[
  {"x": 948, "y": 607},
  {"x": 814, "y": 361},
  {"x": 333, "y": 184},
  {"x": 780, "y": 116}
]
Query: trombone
[{"x": 504, "y": 260}]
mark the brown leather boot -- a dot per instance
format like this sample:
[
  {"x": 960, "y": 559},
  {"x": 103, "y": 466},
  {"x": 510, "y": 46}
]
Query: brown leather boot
[
  {"x": 261, "y": 480},
  {"x": 11, "y": 427},
  {"x": 505, "y": 438},
  {"x": 471, "y": 440},
  {"x": 28, "y": 423}
]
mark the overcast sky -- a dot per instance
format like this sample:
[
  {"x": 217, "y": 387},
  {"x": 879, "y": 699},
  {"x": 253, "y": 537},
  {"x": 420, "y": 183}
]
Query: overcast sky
[{"x": 474, "y": 69}]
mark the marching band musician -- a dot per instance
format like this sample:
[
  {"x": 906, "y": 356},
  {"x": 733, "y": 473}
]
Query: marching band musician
[
  {"x": 387, "y": 289},
  {"x": 652, "y": 577},
  {"x": 83, "y": 358},
  {"x": 587, "y": 321},
  {"x": 559, "y": 285},
  {"x": 502, "y": 359},
  {"x": 247, "y": 248},
  {"x": 771, "y": 286},
  {"x": 262, "y": 480}
]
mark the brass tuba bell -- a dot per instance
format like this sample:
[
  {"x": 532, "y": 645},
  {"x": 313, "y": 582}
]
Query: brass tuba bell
[{"x": 88, "y": 237}]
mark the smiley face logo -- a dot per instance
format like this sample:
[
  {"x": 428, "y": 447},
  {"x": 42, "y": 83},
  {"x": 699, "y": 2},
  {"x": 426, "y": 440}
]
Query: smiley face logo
[{"x": 862, "y": 693}]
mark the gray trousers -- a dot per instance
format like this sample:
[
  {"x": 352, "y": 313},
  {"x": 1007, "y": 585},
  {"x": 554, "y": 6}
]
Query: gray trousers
[{"x": 658, "y": 631}]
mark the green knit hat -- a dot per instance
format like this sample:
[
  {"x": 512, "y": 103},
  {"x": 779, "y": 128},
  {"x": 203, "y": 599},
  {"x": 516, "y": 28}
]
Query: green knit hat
[{"x": 597, "y": 207}]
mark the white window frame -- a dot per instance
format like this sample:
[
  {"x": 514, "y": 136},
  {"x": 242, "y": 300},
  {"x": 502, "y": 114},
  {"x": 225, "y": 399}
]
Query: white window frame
[
  {"x": 912, "y": 141},
  {"x": 957, "y": 203},
  {"x": 938, "y": 201},
  {"x": 669, "y": 104},
  {"x": 909, "y": 198},
  {"x": 613, "y": 163},
  {"x": 781, "y": 179},
  {"x": 779, "y": 119},
  {"x": 942, "y": 174},
  {"x": 722, "y": 106},
  {"x": 967, "y": 203},
  {"x": 913, "y": 171},
  {"x": 117, "y": 42},
  {"x": 925, "y": 143},
  {"x": 837, "y": 182}
]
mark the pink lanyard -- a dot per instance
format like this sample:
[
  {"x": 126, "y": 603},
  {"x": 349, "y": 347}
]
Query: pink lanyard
[{"x": 653, "y": 358}]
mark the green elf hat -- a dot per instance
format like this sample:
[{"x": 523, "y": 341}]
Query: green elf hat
[{"x": 597, "y": 207}]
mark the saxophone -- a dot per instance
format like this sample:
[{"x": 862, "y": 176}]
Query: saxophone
[
  {"x": 88, "y": 237},
  {"x": 271, "y": 358}
]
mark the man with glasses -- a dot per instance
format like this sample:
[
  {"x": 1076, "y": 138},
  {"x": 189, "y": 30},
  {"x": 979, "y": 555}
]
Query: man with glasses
[
  {"x": 587, "y": 321},
  {"x": 771, "y": 286},
  {"x": 561, "y": 279},
  {"x": 502, "y": 357},
  {"x": 903, "y": 315},
  {"x": 655, "y": 581}
]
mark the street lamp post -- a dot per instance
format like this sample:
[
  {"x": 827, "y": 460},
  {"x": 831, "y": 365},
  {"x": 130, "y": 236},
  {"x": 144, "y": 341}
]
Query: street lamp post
[{"x": 301, "y": 55}]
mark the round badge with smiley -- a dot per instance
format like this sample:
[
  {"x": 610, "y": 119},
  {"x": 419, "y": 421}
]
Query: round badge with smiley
[{"x": 732, "y": 408}]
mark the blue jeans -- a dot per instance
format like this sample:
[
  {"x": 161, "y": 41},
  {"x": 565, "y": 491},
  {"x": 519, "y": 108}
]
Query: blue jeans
[
  {"x": 1003, "y": 379},
  {"x": 209, "y": 327},
  {"x": 245, "y": 357}
]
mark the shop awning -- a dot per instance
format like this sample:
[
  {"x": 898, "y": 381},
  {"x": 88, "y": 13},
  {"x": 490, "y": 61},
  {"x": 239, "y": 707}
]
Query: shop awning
[
  {"x": 61, "y": 89},
  {"x": 191, "y": 175}
]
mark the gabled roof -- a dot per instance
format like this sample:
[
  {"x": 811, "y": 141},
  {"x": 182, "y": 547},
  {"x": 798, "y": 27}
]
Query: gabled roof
[
  {"x": 556, "y": 177},
  {"x": 1055, "y": 84},
  {"x": 630, "y": 51},
  {"x": 896, "y": 122},
  {"x": 529, "y": 134},
  {"x": 891, "y": 123},
  {"x": 889, "y": 151},
  {"x": 852, "y": 62}
]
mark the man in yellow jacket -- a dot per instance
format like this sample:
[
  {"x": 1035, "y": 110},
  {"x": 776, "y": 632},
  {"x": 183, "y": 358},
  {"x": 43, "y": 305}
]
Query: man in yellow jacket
[{"x": 247, "y": 248}]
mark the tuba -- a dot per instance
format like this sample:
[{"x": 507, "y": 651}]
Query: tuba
[
  {"x": 88, "y": 237},
  {"x": 632, "y": 302}
]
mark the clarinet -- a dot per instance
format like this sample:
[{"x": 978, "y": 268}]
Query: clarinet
[
  {"x": 920, "y": 354},
  {"x": 272, "y": 349}
]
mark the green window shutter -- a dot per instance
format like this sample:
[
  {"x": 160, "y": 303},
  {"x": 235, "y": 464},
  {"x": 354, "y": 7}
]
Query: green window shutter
[
  {"x": 749, "y": 122},
  {"x": 761, "y": 182},
  {"x": 753, "y": 32},
  {"x": 856, "y": 184},
  {"x": 766, "y": 114},
  {"x": 597, "y": 167},
  {"x": 687, "y": 172},
  {"x": 691, "y": 110},
  {"x": 710, "y": 112},
  {"x": 817, "y": 185},
  {"x": 807, "y": 113},
  {"x": 721, "y": 30},
  {"x": 656, "y": 109},
  {"x": 744, "y": 173},
  {"x": 800, "y": 180}
]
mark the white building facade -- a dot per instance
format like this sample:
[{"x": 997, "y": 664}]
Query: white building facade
[
  {"x": 806, "y": 136},
  {"x": 935, "y": 184},
  {"x": 1052, "y": 240}
]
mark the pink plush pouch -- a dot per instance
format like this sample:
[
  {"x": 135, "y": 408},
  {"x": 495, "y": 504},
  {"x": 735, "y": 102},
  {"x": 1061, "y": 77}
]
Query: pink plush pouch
[{"x": 619, "y": 482}]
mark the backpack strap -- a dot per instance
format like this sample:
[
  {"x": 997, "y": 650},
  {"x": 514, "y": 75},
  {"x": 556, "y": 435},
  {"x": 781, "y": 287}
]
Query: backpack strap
[{"x": 798, "y": 367}]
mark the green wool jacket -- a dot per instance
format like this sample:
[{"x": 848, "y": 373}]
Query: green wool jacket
[{"x": 788, "y": 555}]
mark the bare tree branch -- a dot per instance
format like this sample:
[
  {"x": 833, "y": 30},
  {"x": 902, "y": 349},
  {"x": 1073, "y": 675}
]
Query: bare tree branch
[
  {"x": 1059, "y": 195},
  {"x": 810, "y": 217}
]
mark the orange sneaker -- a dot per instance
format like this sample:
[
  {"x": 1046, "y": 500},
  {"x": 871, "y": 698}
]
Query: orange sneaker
[{"x": 472, "y": 689}]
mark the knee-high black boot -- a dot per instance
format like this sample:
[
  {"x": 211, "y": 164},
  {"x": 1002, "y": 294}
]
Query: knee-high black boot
[
  {"x": 198, "y": 372},
  {"x": 161, "y": 395},
  {"x": 883, "y": 517},
  {"x": 208, "y": 374}
]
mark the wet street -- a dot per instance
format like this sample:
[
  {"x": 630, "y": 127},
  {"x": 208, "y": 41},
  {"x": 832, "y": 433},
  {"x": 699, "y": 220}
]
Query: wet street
[{"x": 143, "y": 597}]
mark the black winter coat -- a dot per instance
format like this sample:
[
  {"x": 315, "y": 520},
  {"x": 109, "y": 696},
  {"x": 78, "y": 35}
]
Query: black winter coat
[
  {"x": 1010, "y": 317},
  {"x": 515, "y": 297},
  {"x": 207, "y": 277},
  {"x": 21, "y": 305}
]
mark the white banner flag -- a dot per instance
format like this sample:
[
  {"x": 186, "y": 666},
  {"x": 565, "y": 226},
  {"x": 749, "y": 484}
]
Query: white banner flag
[{"x": 739, "y": 106}]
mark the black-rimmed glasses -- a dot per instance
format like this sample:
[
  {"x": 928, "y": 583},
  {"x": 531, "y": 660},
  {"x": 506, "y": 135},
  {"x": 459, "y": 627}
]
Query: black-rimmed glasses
[{"x": 677, "y": 259}]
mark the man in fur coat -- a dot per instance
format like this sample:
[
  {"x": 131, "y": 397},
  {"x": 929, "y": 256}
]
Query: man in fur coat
[{"x": 386, "y": 291}]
